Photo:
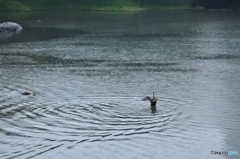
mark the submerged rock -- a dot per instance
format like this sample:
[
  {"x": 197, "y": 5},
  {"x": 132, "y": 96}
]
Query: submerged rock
[{"x": 9, "y": 27}]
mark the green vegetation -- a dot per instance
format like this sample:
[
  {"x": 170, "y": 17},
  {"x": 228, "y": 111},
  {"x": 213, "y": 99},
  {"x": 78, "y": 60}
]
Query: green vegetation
[{"x": 113, "y": 5}]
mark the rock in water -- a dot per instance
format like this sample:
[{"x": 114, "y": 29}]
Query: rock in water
[{"x": 9, "y": 27}]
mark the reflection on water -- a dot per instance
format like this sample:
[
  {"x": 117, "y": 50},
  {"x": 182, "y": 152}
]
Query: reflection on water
[
  {"x": 91, "y": 69},
  {"x": 8, "y": 35},
  {"x": 154, "y": 109}
]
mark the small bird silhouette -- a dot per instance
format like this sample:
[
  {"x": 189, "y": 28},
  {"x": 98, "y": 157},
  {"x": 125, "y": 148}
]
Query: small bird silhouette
[
  {"x": 29, "y": 93},
  {"x": 152, "y": 100}
]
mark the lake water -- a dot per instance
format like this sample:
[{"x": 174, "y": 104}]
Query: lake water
[{"x": 91, "y": 69}]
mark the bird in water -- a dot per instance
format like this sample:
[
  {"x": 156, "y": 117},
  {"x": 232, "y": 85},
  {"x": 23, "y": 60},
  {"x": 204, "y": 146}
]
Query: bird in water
[
  {"x": 29, "y": 93},
  {"x": 152, "y": 100}
]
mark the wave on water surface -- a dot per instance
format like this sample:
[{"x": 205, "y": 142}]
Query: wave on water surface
[{"x": 49, "y": 125}]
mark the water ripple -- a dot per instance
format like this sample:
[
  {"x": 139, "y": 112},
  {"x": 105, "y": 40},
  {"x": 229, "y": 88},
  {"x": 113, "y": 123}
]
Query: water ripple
[{"x": 72, "y": 123}]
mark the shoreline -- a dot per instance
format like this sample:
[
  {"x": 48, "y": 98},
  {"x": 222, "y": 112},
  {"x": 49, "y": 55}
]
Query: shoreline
[
  {"x": 28, "y": 7},
  {"x": 104, "y": 5},
  {"x": 103, "y": 10}
]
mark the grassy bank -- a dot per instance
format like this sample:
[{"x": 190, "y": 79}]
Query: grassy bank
[{"x": 110, "y": 5}]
